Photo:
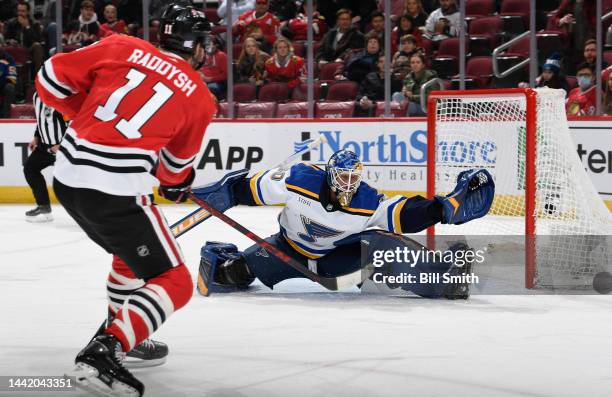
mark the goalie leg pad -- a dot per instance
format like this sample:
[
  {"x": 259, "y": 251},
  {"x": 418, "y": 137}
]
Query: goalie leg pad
[{"x": 222, "y": 269}]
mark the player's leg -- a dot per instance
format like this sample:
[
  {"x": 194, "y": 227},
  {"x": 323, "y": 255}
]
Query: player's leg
[
  {"x": 135, "y": 230},
  {"x": 120, "y": 284},
  {"x": 38, "y": 160},
  {"x": 225, "y": 269}
]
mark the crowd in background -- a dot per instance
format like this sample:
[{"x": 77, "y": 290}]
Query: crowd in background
[{"x": 270, "y": 44}]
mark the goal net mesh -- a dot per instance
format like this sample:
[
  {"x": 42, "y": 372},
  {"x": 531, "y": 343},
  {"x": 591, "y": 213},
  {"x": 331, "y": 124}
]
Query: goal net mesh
[{"x": 475, "y": 131}]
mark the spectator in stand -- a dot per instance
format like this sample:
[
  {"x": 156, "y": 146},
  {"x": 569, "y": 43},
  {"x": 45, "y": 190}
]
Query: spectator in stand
[
  {"x": 297, "y": 28},
  {"x": 8, "y": 81},
  {"x": 590, "y": 54},
  {"x": 607, "y": 102},
  {"x": 551, "y": 74},
  {"x": 343, "y": 37},
  {"x": 251, "y": 63},
  {"x": 239, "y": 7},
  {"x": 581, "y": 100},
  {"x": 86, "y": 28},
  {"x": 408, "y": 47},
  {"x": 284, "y": 66},
  {"x": 359, "y": 63},
  {"x": 405, "y": 26},
  {"x": 443, "y": 22},
  {"x": 112, "y": 24},
  {"x": 576, "y": 20},
  {"x": 377, "y": 24},
  {"x": 418, "y": 76},
  {"x": 267, "y": 21},
  {"x": 400, "y": 69},
  {"x": 26, "y": 32},
  {"x": 361, "y": 12},
  {"x": 214, "y": 69},
  {"x": 254, "y": 31},
  {"x": 414, "y": 9},
  {"x": 284, "y": 9},
  {"x": 372, "y": 89}
]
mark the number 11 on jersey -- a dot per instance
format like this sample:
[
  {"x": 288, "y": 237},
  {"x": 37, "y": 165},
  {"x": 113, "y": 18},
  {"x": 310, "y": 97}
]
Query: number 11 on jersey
[{"x": 131, "y": 128}]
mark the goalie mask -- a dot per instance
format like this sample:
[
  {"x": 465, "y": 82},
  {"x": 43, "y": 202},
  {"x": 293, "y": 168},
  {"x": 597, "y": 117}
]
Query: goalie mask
[{"x": 344, "y": 175}]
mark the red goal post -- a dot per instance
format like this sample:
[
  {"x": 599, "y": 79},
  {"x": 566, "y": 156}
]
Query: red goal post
[{"x": 522, "y": 137}]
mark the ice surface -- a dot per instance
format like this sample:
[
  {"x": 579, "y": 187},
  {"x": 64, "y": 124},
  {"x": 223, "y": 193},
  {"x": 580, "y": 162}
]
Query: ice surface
[{"x": 298, "y": 340}]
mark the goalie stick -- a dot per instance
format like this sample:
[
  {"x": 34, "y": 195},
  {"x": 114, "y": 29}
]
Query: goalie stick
[
  {"x": 200, "y": 215},
  {"x": 331, "y": 283}
]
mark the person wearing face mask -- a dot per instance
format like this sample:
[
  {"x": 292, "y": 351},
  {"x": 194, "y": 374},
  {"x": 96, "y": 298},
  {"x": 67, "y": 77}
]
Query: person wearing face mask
[
  {"x": 581, "y": 100},
  {"x": 214, "y": 69}
]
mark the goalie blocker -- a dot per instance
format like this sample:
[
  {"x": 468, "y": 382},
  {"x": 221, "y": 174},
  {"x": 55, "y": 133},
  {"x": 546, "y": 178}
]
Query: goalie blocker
[{"x": 324, "y": 221}]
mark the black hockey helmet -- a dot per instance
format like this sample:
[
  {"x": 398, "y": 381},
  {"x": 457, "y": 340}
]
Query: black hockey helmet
[{"x": 182, "y": 27}]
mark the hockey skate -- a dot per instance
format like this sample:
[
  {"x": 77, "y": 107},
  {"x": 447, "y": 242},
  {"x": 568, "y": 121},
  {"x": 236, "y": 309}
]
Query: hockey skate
[
  {"x": 99, "y": 370},
  {"x": 41, "y": 213},
  {"x": 148, "y": 353},
  {"x": 460, "y": 290}
]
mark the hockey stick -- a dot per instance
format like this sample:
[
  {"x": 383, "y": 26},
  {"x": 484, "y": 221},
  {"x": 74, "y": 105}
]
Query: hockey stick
[
  {"x": 331, "y": 283},
  {"x": 200, "y": 215}
]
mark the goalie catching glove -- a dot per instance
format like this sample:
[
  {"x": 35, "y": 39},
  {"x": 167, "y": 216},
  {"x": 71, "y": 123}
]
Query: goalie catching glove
[
  {"x": 220, "y": 195},
  {"x": 177, "y": 193},
  {"x": 471, "y": 198}
]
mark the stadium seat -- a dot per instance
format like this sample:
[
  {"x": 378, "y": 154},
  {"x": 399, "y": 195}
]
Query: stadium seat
[
  {"x": 571, "y": 81},
  {"x": 478, "y": 71},
  {"x": 474, "y": 8},
  {"x": 245, "y": 92},
  {"x": 219, "y": 29},
  {"x": 607, "y": 55},
  {"x": 515, "y": 16},
  {"x": 342, "y": 91},
  {"x": 19, "y": 53},
  {"x": 274, "y": 92},
  {"x": 397, "y": 109},
  {"x": 22, "y": 111},
  {"x": 329, "y": 70},
  {"x": 446, "y": 62},
  {"x": 484, "y": 35},
  {"x": 300, "y": 93},
  {"x": 334, "y": 110},
  {"x": 222, "y": 110},
  {"x": 258, "y": 110},
  {"x": 292, "y": 110}
]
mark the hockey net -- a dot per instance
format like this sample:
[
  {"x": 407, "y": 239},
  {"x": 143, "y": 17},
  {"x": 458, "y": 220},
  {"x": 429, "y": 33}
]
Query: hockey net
[{"x": 522, "y": 137}]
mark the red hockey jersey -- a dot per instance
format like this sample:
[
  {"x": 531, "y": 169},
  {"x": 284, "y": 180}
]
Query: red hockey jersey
[
  {"x": 289, "y": 73},
  {"x": 580, "y": 103},
  {"x": 268, "y": 23},
  {"x": 131, "y": 105}
]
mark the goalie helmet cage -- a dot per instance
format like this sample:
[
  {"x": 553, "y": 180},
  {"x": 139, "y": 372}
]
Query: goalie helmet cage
[{"x": 522, "y": 137}]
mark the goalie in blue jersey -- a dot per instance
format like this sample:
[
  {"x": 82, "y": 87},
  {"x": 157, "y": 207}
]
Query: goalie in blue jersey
[{"x": 333, "y": 223}]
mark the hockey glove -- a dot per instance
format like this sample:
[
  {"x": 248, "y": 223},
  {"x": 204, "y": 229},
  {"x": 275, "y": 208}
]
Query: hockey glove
[
  {"x": 220, "y": 194},
  {"x": 471, "y": 198},
  {"x": 177, "y": 193}
]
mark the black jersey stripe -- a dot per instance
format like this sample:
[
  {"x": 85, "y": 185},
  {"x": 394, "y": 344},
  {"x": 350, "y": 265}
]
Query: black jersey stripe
[
  {"x": 104, "y": 167},
  {"x": 146, "y": 311},
  {"x": 53, "y": 83},
  {"x": 108, "y": 155},
  {"x": 153, "y": 302}
]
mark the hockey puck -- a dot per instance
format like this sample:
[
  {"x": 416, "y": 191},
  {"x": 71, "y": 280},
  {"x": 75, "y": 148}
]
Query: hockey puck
[{"x": 602, "y": 283}]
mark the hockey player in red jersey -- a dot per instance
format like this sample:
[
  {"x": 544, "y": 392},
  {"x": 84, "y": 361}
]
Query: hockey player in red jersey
[{"x": 137, "y": 111}]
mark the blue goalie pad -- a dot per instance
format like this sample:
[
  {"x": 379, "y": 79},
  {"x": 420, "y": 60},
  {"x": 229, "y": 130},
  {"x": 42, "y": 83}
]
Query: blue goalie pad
[
  {"x": 213, "y": 254},
  {"x": 219, "y": 194},
  {"x": 471, "y": 198}
]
